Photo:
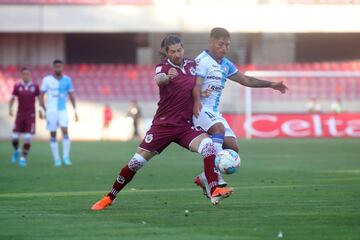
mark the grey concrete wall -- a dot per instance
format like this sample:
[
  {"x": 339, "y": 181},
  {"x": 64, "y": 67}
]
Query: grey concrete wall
[
  {"x": 272, "y": 48},
  {"x": 31, "y": 48}
]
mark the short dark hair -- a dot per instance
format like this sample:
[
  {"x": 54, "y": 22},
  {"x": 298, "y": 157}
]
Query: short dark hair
[
  {"x": 24, "y": 69},
  {"x": 219, "y": 32},
  {"x": 56, "y": 61},
  {"x": 168, "y": 41}
]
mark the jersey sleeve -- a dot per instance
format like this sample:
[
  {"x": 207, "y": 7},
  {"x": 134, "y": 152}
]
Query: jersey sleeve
[
  {"x": 201, "y": 68},
  {"x": 37, "y": 90},
  {"x": 232, "y": 68},
  {"x": 15, "y": 90},
  {"x": 160, "y": 68},
  {"x": 44, "y": 87}
]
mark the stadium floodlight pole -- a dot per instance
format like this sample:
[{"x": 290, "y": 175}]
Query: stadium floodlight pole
[{"x": 248, "y": 112}]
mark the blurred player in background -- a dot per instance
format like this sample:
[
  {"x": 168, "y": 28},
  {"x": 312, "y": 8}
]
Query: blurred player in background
[
  {"x": 212, "y": 71},
  {"x": 175, "y": 76},
  {"x": 313, "y": 106},
  {"x": 336, "y": 106},
  {"x": 135, "y": 113},
  {"x": 57, "y": 87},
  {"x": 26, "y": 92},
  {"x": 107, "y": 117}
]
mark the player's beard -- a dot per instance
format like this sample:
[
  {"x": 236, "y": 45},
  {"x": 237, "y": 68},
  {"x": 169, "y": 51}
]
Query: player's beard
[{"x": 178, "y": 61}]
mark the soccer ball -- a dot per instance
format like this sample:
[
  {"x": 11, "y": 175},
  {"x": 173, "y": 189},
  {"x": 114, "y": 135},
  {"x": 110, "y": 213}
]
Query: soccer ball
[{"x": 227, "y": 161}]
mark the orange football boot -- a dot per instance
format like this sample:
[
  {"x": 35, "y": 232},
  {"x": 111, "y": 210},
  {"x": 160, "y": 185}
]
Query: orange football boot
[{"x": 102, "y": 203}]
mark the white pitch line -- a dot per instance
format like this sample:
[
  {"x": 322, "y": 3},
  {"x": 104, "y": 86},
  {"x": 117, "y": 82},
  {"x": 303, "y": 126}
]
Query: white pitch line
[{"x": 83, "y": 193}]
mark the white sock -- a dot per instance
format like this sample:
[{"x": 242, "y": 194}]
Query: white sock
[
  {"x": 55, "y": 149},
  {"x": 218, "y": 147},
  {"x": 66, "y": 147}
]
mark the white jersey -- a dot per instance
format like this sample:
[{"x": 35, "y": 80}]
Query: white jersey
[
  {"x": 214, "y": 75},
  {"x": 57, "y": 92}
]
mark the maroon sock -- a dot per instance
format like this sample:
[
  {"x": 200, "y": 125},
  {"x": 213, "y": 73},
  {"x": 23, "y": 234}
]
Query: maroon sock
[
  {"x": 26, "y": 149},
  {"x": 15, "y": 143},
  {"x": 210, "y": 172},
  {"x": 125, "y": 176}
]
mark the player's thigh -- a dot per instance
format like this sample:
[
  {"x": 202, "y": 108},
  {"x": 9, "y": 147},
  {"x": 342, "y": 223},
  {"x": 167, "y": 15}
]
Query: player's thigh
[
  {"x": 157, "y": 139},
  {"x": 146, "y": 154},
  {"x": 63, "y": 119},
  {"x": 51, "y": 121},
  {"x": 190, "y": 138},
  {"x": 206, "y": 119},
  {"x": 217, "y": 128}
]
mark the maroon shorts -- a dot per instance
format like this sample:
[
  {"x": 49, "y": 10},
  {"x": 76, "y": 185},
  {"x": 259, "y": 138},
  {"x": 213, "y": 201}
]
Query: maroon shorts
[
  {"x": 159, "y": 137},
  {"x": 25, "y": 123}
]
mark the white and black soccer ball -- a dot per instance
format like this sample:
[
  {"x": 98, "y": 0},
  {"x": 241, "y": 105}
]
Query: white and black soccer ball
[{"x": 227, "y": 161}]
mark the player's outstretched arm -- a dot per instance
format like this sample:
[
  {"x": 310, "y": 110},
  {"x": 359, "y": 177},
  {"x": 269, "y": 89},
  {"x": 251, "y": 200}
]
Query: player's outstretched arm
[
  {"x": 11, "y": 104},
  {"x": 73, "y": 103},
  {"x": 197, "y": 95},
  {"x": 258, "y": 83}
]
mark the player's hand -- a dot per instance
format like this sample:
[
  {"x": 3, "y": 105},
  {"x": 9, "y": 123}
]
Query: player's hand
[
  {"x": 76, "y": 117},
  {"x": 197, "y": 109},
  {"x": 206, "y": 93},
  {"x": 172, "y": 73},
  {"x": 11, "y": 113},
  {"x": 280, "y": 86}
]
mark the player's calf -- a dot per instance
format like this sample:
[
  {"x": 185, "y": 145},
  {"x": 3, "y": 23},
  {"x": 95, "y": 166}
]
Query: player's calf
[{"x": 125, "y": 176}]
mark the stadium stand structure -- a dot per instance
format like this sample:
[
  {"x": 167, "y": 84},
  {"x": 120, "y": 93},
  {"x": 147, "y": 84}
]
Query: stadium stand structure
[{"x": 116, "y": 82}]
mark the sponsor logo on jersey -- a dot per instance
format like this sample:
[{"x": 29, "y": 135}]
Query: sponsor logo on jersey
[
  {"x": 32, "y": 89},
  {"x": 214, "y": 77},
  {"x": 20, "y": 89},
  {"x": 149, "y": 138},
  {"x": 216, "y": 88},
  {"x": 192, "y": 71}
]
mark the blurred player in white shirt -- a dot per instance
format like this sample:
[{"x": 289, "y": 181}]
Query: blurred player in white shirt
[
  {"x": 57, "y": 88},
  {"x": 213, "y": 69}
]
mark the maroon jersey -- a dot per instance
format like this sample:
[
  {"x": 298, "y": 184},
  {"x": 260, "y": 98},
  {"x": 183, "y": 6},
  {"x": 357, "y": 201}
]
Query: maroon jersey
[
  {"x": 26, "y": 94},
  {"x": 175, "y": 107}
]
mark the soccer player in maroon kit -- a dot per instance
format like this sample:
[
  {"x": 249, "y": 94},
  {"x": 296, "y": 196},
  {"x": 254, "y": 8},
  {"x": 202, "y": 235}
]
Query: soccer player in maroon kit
[
  {"x": 175, "y": 76},
  {"x": 26, "y": 92}
]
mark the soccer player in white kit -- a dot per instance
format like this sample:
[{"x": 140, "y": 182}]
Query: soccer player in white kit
[
  {"x": 213, "y": 69},
  {"x": 57, "y": 88}
]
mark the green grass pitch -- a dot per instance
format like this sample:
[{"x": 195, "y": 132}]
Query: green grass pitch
[{"x": 307, "y": 189}]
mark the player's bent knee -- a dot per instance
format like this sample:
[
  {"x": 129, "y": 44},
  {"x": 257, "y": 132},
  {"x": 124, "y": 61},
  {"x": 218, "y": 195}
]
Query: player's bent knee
[
  {"x": 15, "y": 135},
  {"x": 136, "y": 162},
  {"x": 217, "y": 128},
  {"x": 207, "y": 147},
  {"x": 27, "y": 137}
]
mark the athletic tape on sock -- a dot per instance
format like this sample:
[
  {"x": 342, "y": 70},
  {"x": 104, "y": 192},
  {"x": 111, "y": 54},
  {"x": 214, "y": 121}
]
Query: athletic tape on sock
[
  {"x": 207, "y": 148},
  {"x": 136, "y": 162}
]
